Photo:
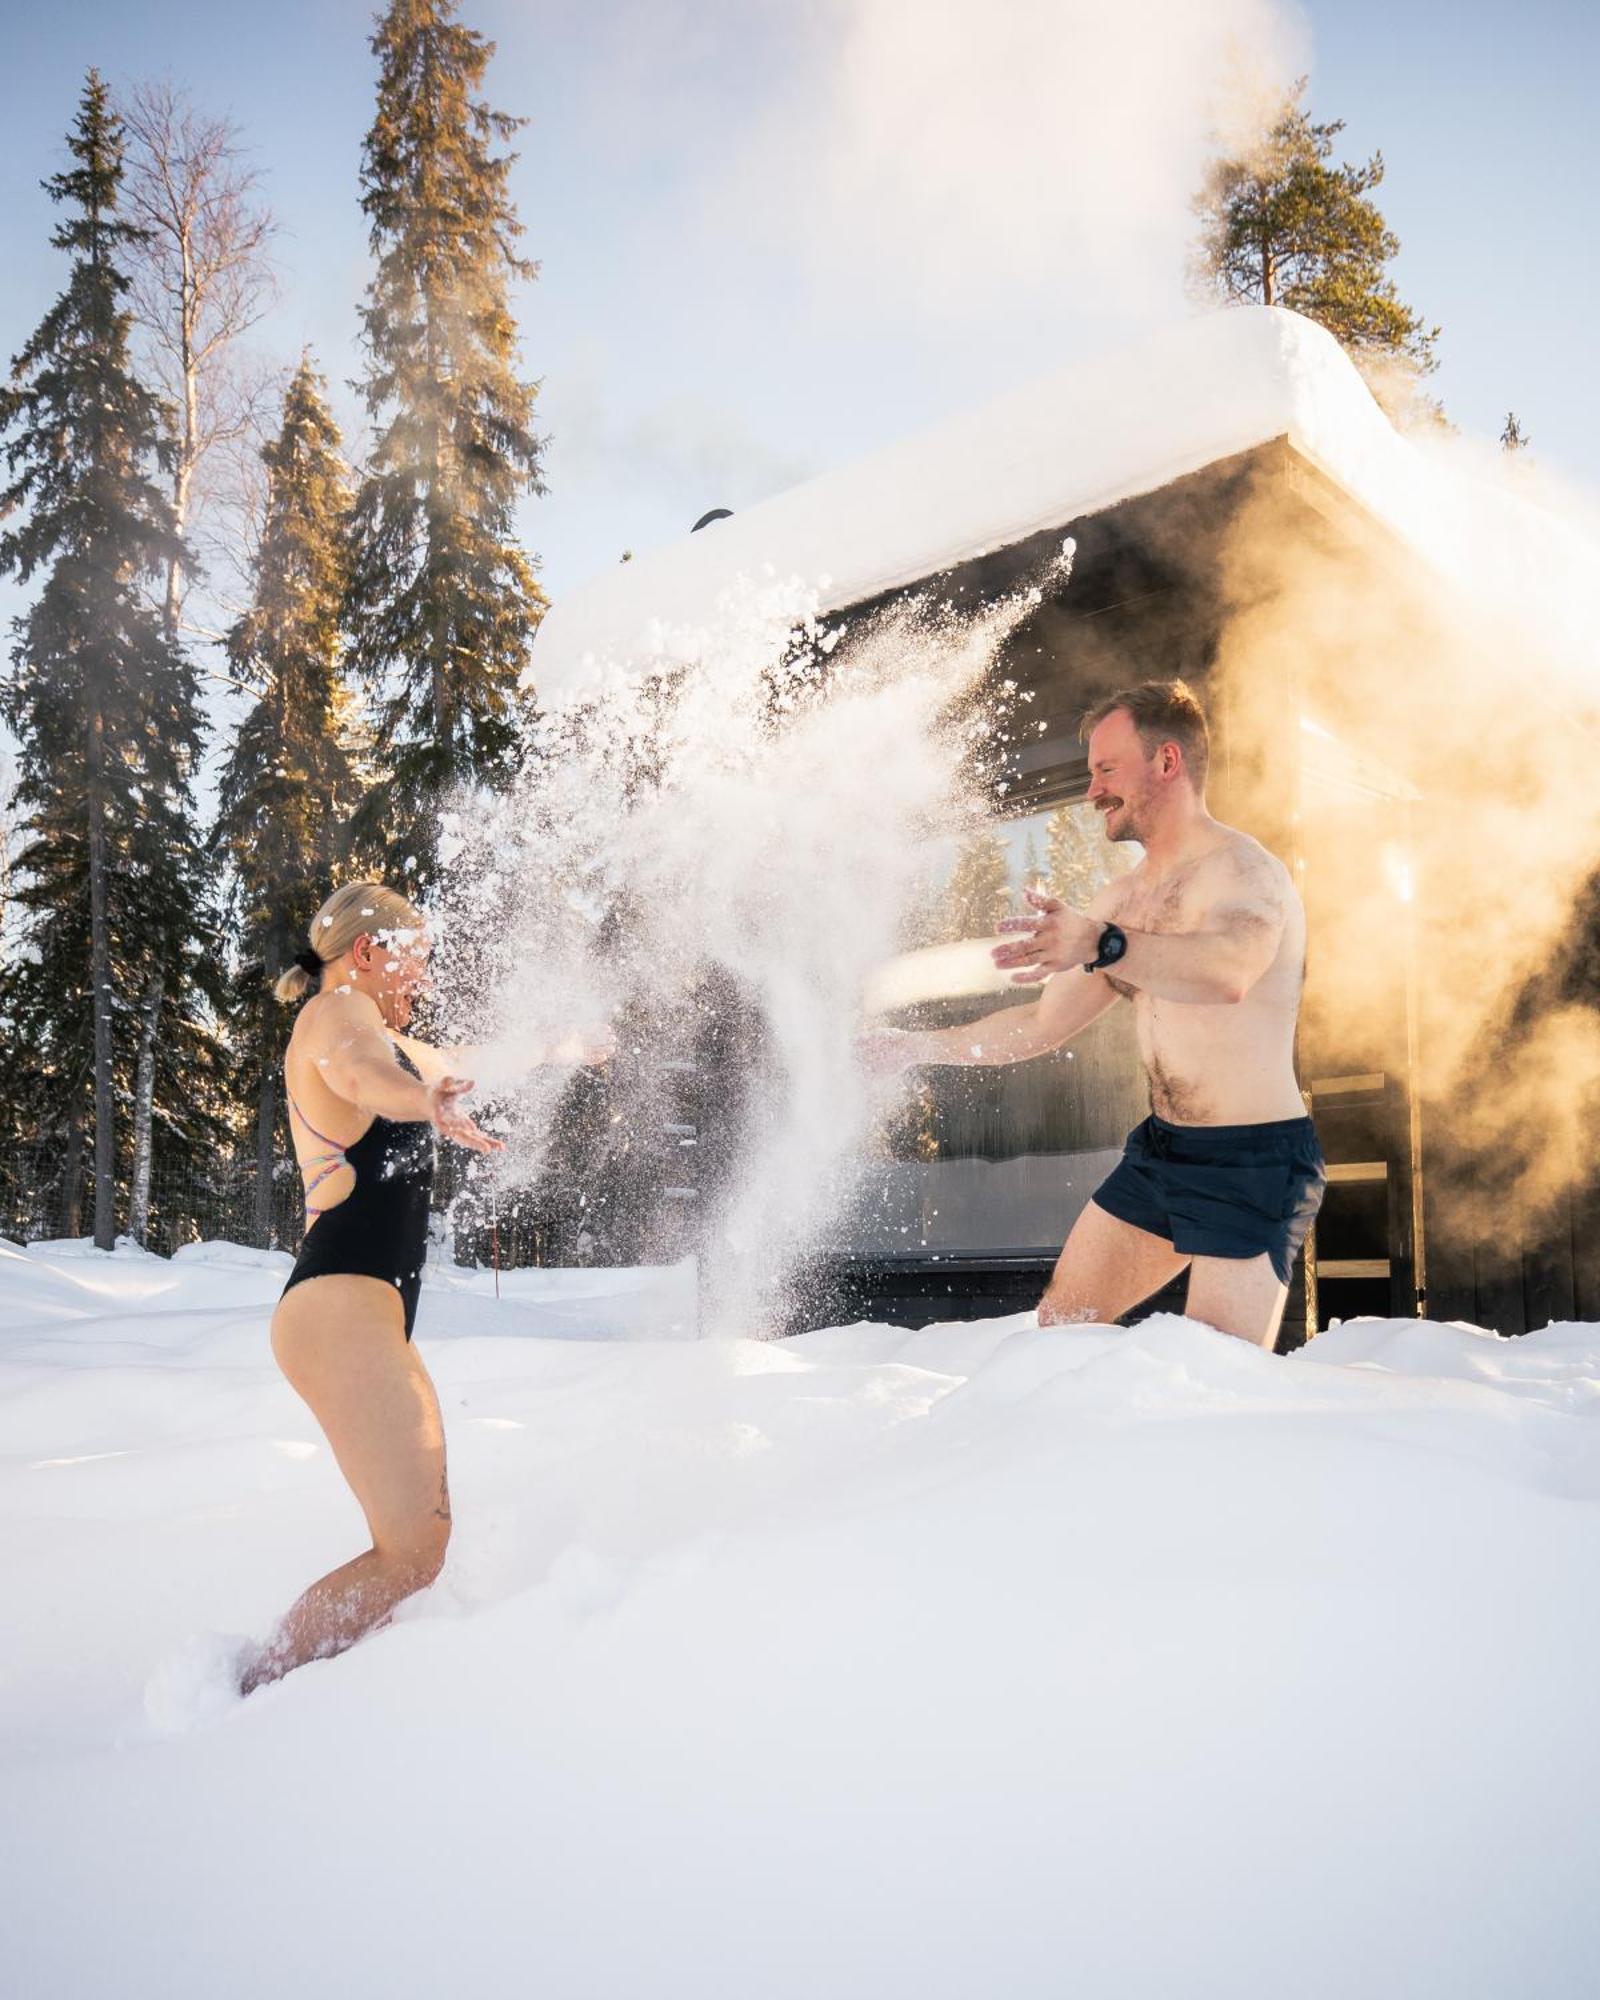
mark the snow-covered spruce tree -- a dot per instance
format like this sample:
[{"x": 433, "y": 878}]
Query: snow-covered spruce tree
[
  {"x": 1077, "y": 862},
  {"x": 117, "y": 943},
  {"x": 289, "y": 785},
  {"x": 978, "y": 894},
  {"x": 1079, "y": 858},
  {"x": 1282, "y": 225},
  {"x": 443, "y": 602}
]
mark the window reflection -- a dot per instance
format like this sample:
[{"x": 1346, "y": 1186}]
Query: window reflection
[{"x": 993, "y": 1161}]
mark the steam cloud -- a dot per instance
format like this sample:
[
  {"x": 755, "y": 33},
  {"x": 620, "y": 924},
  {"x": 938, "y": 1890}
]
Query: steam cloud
[
  {"x": 978, "y": 158},
  {"x": 1480, "y": 692}
]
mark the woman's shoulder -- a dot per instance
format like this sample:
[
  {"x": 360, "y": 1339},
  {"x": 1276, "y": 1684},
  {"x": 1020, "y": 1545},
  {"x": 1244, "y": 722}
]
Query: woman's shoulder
[{"x": 331, "y": 1014}]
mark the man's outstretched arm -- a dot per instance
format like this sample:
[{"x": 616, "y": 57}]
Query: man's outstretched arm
[
  {"x": 1234, "y": 941},
  {"x": 1008, "y": 1035},
  {"x": 1213, "y": 967}
]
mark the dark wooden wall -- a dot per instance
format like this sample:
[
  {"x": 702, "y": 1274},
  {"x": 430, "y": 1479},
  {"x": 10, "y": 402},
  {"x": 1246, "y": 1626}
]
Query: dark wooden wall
[{"x": 1530, "y": 1278}]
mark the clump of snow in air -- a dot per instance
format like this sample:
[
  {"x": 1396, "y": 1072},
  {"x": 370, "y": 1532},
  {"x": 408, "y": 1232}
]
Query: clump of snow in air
[
  {"x": 716, "y": 844},
  {"x": 917, "y": 1666}
]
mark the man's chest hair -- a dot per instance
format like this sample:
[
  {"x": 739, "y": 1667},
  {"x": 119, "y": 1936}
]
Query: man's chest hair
[{"x": 1163, "y": 904}]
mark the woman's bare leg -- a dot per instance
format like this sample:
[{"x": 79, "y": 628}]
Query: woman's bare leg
[{"x": 341, "y": 1343}]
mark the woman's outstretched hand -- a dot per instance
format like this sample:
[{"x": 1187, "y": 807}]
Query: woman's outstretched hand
[{"x": 451, "y": 1122}]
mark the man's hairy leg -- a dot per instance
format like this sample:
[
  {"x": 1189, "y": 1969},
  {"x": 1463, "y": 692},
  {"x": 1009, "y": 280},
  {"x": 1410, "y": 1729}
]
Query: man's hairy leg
[
  {"x": 1238, "y": 1295},
  {"x": 1107, "y": 1268}
]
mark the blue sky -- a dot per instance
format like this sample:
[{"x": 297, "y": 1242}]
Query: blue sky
[{"x": 775, "y": 233}]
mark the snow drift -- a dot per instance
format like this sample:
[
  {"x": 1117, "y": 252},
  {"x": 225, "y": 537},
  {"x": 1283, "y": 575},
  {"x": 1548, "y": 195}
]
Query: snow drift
[{"x": 977, "y": 1660}]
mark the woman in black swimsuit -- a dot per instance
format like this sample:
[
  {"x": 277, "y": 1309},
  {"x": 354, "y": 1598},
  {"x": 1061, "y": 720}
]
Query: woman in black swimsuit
[{"x": 366, "y": 1102}]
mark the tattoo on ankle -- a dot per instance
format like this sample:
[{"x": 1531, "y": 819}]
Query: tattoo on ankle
[{"x": 442, "y": 1511}]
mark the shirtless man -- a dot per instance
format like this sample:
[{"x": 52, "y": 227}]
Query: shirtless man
[{"x": 1206, "y": 937}]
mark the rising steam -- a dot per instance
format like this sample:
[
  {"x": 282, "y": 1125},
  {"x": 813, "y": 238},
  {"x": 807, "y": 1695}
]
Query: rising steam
[{"x": 1475, "y": 698}]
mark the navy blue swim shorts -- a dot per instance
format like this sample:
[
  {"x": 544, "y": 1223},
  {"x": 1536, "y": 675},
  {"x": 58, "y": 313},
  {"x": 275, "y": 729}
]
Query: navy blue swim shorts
[{"x": 1220, "y": 1190}]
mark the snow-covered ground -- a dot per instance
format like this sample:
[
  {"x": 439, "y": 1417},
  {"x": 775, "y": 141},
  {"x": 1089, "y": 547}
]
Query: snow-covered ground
[{"x": 973, "y": 1662}]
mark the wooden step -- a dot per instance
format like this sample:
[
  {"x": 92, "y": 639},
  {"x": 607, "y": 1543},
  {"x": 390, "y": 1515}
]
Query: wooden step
[
  {"x": 1351, "y": 1267},
  {"x": 1343, "y": 1173},
  {"x": 1348, "y": 1086}
]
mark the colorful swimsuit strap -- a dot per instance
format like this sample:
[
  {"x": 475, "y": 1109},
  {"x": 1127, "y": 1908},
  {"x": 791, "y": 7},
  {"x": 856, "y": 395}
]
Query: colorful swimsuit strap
[
  {"x": 334, "y": 1158},
  {"x": 330, "y": 1162}
]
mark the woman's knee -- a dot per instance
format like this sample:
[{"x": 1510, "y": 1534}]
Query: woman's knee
[
  {"x": 417, "y": 1549},
  {"x": 427, "y": 1557}
]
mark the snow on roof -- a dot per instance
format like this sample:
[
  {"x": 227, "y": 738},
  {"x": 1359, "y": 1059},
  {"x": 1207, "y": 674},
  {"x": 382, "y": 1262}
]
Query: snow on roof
[{"x": 1056, "y": 451}]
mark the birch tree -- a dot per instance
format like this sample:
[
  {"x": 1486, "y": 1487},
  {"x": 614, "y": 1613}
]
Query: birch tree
[{"x": 202, "y": 278}]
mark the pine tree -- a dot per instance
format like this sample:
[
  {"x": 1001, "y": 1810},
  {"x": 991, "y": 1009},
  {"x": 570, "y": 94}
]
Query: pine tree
[
  {"x": 1283, "y": 226},
  {"x": 443, "y": 602},
  {"x": 289, "y": 785},
  {"x": 1513, "y": 437},
  {"x": 1081, "y": 859},
  {"x": 978, "y": 893},
  {"x": 109, "y": 876}
]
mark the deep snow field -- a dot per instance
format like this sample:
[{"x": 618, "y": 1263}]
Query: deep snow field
[{"x": 981, "y": 1661}]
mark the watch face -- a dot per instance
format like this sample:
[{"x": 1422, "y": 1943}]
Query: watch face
[{"x": 1113, "y": 943}]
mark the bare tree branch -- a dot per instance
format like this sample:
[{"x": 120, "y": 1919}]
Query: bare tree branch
[{"x": 202, "y": 280}]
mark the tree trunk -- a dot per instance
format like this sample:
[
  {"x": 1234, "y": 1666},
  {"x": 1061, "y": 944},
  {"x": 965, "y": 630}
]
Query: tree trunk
[
  {"x": 8, "y": 820},
  {"x": 189, "y": 440},
  {"x": 266, "y": 1148},
  {"x": 1269, "y": 275},
  {"x": 105, "y": 1131},
  {"x": 72, "y": 1179},
  {"x": 173, "y": 607},
  {"x": 144, "y": 1094}
]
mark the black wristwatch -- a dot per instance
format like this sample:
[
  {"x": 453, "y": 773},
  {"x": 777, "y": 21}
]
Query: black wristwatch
[{"x": 1113, "y": 943}]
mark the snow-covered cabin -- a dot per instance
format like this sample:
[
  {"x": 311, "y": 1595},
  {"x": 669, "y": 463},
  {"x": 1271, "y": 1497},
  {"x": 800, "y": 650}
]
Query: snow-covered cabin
[{"x": 1148, "y": 461}]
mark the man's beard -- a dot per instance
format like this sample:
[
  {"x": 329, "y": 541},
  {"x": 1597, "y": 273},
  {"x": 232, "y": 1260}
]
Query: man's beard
[{"x": 1125, "y": 828}]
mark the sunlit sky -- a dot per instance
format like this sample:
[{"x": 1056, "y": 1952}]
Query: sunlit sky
[{"x": 775, "y": 235}]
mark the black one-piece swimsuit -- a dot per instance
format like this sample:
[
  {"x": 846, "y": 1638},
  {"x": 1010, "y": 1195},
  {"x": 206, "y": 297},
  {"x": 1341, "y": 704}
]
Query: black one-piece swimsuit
[{"x": 380, "y": 1229}]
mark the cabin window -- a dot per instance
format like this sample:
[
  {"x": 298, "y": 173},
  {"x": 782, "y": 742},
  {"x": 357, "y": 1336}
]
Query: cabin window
[{"x": 981, "y": 1162}]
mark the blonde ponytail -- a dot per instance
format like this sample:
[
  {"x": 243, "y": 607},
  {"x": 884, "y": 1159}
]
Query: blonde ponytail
[
  {"x": 294, "y": 984},
  {"x": 359, "y": 909}
]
